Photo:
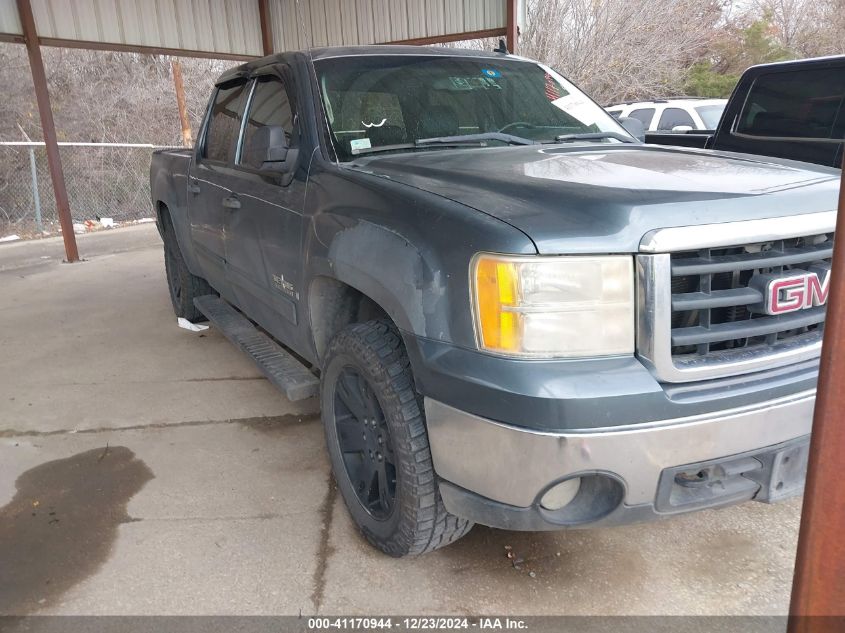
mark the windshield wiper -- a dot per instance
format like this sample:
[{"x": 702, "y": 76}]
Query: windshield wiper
[
  {"x": 510, "y": 139},
  {"x": 594, "y": 136},
  {"x": 460, "y": 140},
  {"x": 396, "y": 147}
]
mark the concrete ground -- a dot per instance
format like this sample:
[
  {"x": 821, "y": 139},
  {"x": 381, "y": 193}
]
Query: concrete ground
[{"x": 145, "y": 469}]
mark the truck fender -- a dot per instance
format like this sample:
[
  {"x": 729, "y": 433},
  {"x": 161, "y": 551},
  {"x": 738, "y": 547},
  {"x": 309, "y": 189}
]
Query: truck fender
[
  {"x": 411, "y": 291},
  {"x": 171, "y": 192}
]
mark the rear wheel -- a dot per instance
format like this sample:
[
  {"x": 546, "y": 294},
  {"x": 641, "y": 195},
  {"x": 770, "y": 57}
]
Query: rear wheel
[
  {"x": 378, "y": 443},
  {"x": 183, "y": 285}
]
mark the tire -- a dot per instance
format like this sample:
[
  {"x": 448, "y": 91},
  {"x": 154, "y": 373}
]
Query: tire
[
  {"x": 183, "y": 285},
  {"x": 394, "y": 500}
]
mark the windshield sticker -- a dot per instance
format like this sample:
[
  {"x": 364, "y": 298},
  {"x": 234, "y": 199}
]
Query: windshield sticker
[
  {"x": 460, "y": 83},
  {"x": 357, "y": 144},
  {"x": 489, "y": 72}
]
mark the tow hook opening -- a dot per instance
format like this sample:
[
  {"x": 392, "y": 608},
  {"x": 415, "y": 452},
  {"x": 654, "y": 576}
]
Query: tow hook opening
[
  {"x": 767, "y": 475},
  {"x": 693, "y": 479}
]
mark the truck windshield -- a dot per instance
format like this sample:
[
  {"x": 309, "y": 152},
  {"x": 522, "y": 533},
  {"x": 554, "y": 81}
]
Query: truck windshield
[{"x": 402, "y": 102}]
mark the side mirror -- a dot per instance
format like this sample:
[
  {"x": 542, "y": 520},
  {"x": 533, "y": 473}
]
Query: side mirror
[
  {"x": 634, "y": 127},
  {"x": 682, "y": 128},
  {"x": 268, "y": 148}
]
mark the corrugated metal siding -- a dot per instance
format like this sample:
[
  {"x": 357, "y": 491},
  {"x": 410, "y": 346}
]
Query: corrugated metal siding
[
  {"x": 218, "y": 26},
  {"x": 233, "y": 26},
  {"x": 355, "y": 22},
  {"x": 9, "y": 21}
]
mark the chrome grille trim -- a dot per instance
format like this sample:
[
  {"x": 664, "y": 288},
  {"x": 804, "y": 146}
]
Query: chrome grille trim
[
  {"x": 691, "y": 238},
  {"x": 655, "y": 305}
]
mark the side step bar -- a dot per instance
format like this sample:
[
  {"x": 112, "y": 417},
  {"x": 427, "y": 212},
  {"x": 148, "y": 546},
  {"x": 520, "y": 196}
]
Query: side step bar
[{"x": 281, "y": 368}]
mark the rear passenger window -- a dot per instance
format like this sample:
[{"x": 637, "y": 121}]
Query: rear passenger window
[
  {"x": 801, "y": 104},
  {"x": 224, "y": 124},
  {"x": 269, "y": 106},
  {"x": 643, "y": 114},
  {"x": 672, "y": 118}
]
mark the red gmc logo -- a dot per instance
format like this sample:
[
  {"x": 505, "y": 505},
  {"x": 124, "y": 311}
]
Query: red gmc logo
[{"x": 801, "y": 289}]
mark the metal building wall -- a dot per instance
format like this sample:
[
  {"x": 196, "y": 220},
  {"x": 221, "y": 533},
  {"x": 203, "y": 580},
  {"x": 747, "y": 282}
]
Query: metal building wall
[
  {"x": 229, "y": 27},
  {"x": 9, "y": 21},
  {"x": 354, "y": 22}
]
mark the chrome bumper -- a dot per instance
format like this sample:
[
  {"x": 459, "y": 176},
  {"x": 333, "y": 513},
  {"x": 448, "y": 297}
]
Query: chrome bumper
[{"x": 512, "y": 465}]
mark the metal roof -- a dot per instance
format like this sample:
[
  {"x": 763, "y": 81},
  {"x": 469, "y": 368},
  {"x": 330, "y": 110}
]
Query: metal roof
[{"x": 232, "y": 28}]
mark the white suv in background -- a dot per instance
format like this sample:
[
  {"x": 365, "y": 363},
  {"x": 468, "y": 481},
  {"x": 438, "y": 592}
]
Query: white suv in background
[{"x": 673, "y": 115}]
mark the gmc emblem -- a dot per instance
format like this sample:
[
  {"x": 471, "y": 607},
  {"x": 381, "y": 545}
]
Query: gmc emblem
[{"x": 797, "y": 290}]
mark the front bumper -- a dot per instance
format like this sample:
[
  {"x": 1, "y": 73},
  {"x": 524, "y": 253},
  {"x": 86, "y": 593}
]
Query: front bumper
[{"x": 496, "y": 474}]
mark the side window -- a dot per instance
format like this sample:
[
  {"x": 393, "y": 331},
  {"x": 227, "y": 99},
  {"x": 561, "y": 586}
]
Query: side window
[
  {"x": 270, "y": 106},
  {"x": 224, "y": 124},
  {"x": 794, "y": 104},
  {"x": 673, "y": 117},
  {"x": 643, "y": 114}
]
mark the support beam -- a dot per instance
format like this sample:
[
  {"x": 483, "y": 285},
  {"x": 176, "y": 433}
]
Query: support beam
[
  {"x": 179, "y": 87},
  {"x": 266, "y": 27},
  {"x": 818, "y": 588},
  {"x": 146, "y": 50},
  {"x": 512, "y": 25},
  {"x": 452, "y": 37},
  {"x": 48, "y": 128}
]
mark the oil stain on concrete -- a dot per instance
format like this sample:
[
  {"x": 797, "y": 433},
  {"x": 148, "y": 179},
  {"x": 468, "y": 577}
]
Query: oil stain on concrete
[{"x": 62, "y": 522}]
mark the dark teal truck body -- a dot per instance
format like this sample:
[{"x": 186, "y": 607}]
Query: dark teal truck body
[{"x": 707, "y": 396}]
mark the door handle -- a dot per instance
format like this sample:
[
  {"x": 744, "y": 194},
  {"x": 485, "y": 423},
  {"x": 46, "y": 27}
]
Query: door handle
[
  {"x": 193, "y": 188},
  {"x": 231, "y": 203}
]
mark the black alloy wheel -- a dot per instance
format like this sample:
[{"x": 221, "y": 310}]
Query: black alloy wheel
[{"x": 365, "y": 443}]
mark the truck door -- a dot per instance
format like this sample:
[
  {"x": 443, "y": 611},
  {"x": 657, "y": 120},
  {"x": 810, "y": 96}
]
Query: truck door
[
  {"x": 264, "y": 226},
  {"x": 208, "y": 182}
]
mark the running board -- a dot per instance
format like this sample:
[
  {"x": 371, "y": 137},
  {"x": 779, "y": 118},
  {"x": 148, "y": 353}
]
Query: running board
[{"x": 283, "y": 369}]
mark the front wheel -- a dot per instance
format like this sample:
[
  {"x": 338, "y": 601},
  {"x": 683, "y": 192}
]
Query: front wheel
[{"x": 378, "y": 443}]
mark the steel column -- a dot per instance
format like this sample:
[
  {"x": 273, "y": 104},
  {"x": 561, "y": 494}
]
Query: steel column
[
  {"x": 818, "y": 587},
  {"x": 512, "y": 26},
  {"x": 48, "y": 128},
  {"x": 36, "y": 197},
  {"x": 266, "y": 27},
  {"x": 179, "y": 87}
]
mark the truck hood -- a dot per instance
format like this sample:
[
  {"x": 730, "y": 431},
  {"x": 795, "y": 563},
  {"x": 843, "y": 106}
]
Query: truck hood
[{"x": 576, "y": 199}]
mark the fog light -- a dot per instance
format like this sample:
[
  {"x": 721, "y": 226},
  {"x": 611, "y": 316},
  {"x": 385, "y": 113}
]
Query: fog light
[{"x": 561, "y": 494}]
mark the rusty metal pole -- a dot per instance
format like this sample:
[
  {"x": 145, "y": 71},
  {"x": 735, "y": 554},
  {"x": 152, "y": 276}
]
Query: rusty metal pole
[
  {"x": 512, "y": 26},
  {"x": 818, "y": 587},
  {"x": 48, "y": 127},
  {"x": 266, "y": 27},
  {"x": 176, "y": 68}
]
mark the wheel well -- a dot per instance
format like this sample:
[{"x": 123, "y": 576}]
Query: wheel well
[
  {"x": 162, "y": 212},
  {"x": 333, "y": 305}
]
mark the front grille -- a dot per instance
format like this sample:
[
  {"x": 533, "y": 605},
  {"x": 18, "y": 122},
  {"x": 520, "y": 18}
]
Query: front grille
[{"x": 712, "y": 300}]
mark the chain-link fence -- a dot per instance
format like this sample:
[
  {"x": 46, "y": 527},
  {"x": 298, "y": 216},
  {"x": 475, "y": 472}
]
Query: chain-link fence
[{"x": 104, "y": 180}]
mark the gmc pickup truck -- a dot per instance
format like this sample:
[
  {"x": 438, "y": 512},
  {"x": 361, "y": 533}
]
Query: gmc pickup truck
[
  {"x": 793, "y": 110},
  {"x": 514, "y": 312}
]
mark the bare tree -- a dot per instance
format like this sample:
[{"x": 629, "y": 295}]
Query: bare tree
[
  {"x": 805, "y": 27},
  {"x": 102, "y": 96},
  {"x": 617, "y": 50}
]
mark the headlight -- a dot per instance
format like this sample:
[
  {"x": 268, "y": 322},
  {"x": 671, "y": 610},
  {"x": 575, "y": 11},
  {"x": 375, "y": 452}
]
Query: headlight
[{"x": 565, "y": 306}]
